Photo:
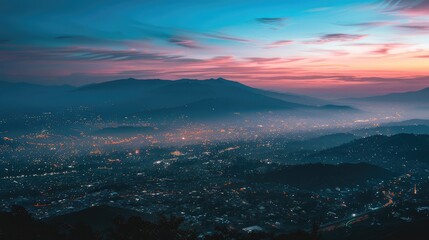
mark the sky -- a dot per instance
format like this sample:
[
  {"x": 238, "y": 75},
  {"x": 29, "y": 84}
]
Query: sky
[{"x": 324, "y": 48}]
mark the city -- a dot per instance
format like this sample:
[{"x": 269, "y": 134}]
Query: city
[{"x": 214, "y": 120}]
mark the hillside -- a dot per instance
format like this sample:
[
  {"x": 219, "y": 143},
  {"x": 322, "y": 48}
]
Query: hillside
[
  {"x": 317, "y": 176},
  {"x": 388, "y": 151}
]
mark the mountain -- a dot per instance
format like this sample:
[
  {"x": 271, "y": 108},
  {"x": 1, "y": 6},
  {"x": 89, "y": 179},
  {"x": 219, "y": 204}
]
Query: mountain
[
  {"x": 322, "y": 142},
  {"x": 392, "y": 130},
  {"x": 317, "y": 176},
  {"x": 29, "y": 98},
  {"x": 288, "y": 97},
  {"x": 392, "y": 152},
  {"x": 410, "y": 122},
  {"x": 155, "y": 97},
  {"x": 418, "y": 98},
  {"x": 163, "y": 94},
  {"x": 412, "y": 126}
]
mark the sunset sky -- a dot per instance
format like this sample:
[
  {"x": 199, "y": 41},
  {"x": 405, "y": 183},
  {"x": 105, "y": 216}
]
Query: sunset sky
[{"x": 328, "y": 48}]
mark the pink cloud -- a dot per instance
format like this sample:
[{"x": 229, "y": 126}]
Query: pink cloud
[
  {"x": 77, "y": 65},
  {"x": 336, "y": 37},
  {"x": 418, "y": 28},
  {"x": 384, "y": 49},
  {"x": 279, "y": 43},
  {"x": 422, "y": 56}
]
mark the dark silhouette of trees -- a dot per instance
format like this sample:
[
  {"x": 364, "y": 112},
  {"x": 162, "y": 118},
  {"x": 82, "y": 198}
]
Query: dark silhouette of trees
[
  {"x": 135, "y": 228},
  {"x": 18, "y": 224},
  {"x": 83, "y": 232}
]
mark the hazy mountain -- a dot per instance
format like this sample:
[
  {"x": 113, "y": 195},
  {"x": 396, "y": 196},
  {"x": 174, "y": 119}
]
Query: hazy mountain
[
  {"x": 316, "y": 176},
  {"x": 25, "y": 97},
  {"x": 157, "y": 94},
  {"x": 392, "y": 130},
  {"x": 420, "y": 97},
  {"x": 410, "y": 122},
  {"x": 154, "y": 96},
  {"x": 411, "y": 126},
  {"x": 301, "y": 99},
  {"x": 322, "y": 142}
]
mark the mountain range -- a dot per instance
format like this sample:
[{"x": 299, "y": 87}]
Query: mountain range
[
  {"x": 415, "y": 98},
  {"x": 155, "y": 97}
]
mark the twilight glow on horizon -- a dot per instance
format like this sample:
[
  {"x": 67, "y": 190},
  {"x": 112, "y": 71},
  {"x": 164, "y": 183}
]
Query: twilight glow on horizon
[{"x": 330, "y": 48}]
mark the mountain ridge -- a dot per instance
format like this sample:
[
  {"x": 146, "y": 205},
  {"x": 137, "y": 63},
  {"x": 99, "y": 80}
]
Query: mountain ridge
[{"x": 184, "y": 97}]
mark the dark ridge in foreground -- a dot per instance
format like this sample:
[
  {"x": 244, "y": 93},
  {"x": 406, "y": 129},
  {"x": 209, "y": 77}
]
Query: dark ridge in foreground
[
  {"x": 117, "y": 224},
  {"x": 99, "y": 218}
]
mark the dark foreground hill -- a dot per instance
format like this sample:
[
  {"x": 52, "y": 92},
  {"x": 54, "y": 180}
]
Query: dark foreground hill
[
  {"x": 99, "y": 218},
  {"x": 17, "y": 224},
  {"x": 318, "y": 176}
]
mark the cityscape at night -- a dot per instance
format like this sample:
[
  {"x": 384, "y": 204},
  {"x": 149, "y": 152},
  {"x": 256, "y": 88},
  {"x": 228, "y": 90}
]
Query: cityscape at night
[{"x": 212, "y": 120}]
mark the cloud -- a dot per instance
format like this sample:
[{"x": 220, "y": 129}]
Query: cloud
[
  {"x": 336, "y": 53},
  {"x": 188, "y": 43},
  {"x": 336, "y": 37},
  {"x": 415, "y": 27},
  {"x": 271, "y": 21},
  {"x": 88, "y": 40},
  {"x": 77, "y": 65},
  {"x": 383, "y": 50},
  {"x": 20, "y": 53},
  {"x": 262, "y": 60},
  {"x": 422, "y": 56},
  {"x": 379, "y": 48},
  {"x": 279, "y": 43},
  {"x": 225, "y": 37},
  {"x": 408, "y": 7},
  {"x": 368, "y": 24}
]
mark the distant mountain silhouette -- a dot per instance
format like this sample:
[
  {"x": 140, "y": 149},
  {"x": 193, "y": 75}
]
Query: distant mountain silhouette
[
  {"x": 154, "y": 96},
  {"x": 411, "y": 126},
  {"x": 410, "y": 122},
  {"x": 420, "y": 97},
  {"x": 162, "y": 94},
  {"x": 28, "y": 98},
  {"x": 392, "y": 130},
  {"x": 316, "y": 176}
]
